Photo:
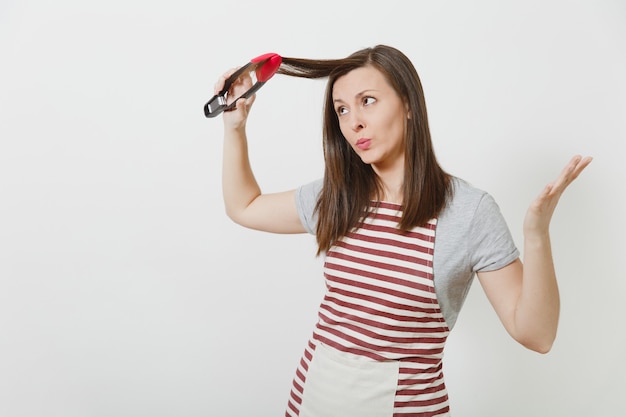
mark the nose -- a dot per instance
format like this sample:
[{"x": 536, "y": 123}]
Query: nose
[{"x": 357, "y": 121}]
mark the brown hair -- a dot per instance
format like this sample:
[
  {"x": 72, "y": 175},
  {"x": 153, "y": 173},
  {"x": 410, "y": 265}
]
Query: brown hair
[{"x": 349, "y": 184}]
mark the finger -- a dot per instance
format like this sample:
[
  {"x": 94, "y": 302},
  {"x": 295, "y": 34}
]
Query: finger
[
  {"x": 245, "y": 103},
  {"x": 243, "y": 82},
  {"x": 548, "y": 198},
  {"x": 250, "y": 101},
  {"x": 577, "y": 164},
  {"x": 571, "y": 172},
  {"x": 219, "y": 84},
  {"x": 566, "y": 174},
  {"x": 582, "y": 164}
]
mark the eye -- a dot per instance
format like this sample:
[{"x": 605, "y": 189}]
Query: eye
[
  {"x": 341, "y": 110},
  {"x": 368, "y": 100}
]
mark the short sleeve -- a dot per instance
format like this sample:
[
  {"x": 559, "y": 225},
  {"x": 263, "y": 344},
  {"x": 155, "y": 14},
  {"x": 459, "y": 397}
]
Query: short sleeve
[
  {"x": 491, "y": 244},
  {"x": 306, "y": 199}
]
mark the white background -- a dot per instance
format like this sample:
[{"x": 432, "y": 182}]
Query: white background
[{"x": 126, "y": 291}]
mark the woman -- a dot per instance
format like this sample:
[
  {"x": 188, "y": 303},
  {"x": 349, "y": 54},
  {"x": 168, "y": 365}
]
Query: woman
[{"x": 401, "y": 241}]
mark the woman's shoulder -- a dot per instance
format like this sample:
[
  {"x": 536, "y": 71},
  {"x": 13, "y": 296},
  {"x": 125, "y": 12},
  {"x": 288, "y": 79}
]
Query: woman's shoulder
[
  {"x": 464, "y": 194},
  {"x": 306, "y": 199},
  {"x": 468, "y": 204},
  {"x": 310, "y": 191}
]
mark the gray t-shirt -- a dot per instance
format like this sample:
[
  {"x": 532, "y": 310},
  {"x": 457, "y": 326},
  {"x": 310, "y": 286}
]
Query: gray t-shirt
[{"x": 471, "y": 236}]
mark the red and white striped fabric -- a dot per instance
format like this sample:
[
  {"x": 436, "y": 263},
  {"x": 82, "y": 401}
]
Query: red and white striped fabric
[{"x": 380, "y": 305}]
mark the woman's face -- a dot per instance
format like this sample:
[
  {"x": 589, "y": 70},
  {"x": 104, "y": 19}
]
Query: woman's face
[{"x": 371, "y": 117}]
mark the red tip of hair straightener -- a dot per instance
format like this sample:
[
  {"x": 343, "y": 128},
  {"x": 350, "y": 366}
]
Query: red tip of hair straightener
[{"x": 261, "y": 68}]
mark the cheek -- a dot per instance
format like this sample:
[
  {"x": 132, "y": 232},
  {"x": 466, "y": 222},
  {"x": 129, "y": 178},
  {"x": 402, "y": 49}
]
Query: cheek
[
  {"x": 344, "y": 131},
  {"x": 397, "y": 129},
  {"x": 401, "y": 125}
]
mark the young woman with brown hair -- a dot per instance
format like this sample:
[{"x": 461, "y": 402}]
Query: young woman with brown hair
[{"x": 401, "y": 241}]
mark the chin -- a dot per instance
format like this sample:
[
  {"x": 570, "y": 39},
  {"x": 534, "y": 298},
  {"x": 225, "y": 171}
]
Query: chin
[{"x": 369, "y": 159}]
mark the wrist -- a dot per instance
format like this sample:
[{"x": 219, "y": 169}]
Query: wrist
[
  {"x": 237, "y": 131},
  {"x": 537, "y": 239}
]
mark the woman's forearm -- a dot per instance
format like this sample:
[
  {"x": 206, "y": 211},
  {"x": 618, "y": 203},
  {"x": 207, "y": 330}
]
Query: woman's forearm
[
  {"x": 239, "y": 186},
  {"x": 537, "y": 311}
]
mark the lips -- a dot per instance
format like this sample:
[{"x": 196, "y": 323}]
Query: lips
[{"x": 363, "y": 143}]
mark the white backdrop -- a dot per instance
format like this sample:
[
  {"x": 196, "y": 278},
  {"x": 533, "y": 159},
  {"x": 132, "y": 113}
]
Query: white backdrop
[{"x": 126, "y": 291}]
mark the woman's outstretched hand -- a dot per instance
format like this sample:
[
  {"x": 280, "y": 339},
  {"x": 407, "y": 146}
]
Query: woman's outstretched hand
[{"x": 539, "y": 214}]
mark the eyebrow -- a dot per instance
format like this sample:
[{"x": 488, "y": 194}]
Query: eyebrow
[{"x": 357, "y": 95}]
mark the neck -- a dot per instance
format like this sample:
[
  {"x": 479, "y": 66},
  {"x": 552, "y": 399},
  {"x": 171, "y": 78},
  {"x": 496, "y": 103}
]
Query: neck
[{"x": 391, "y": 181}]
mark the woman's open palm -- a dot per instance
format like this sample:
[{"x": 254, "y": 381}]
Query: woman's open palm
[{"x": 539, "y": 214}]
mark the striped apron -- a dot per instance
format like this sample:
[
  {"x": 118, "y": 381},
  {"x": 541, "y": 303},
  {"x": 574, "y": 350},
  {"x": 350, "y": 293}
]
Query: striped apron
[{"x": 377, "y": 348}]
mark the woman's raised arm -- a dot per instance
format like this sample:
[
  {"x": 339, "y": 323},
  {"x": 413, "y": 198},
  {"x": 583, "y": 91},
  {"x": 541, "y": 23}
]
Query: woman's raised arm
[{"x": 244, "y": 202}]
